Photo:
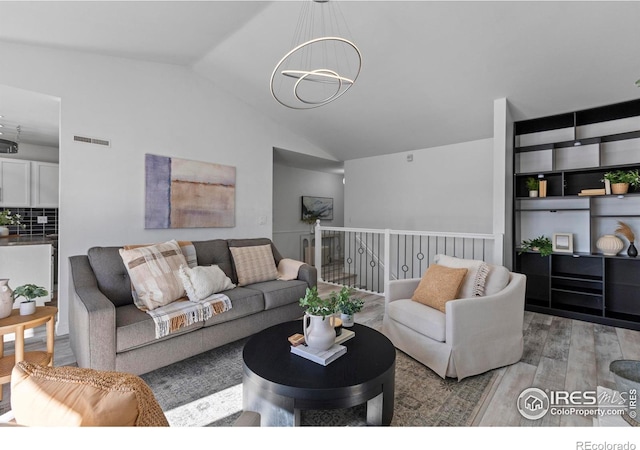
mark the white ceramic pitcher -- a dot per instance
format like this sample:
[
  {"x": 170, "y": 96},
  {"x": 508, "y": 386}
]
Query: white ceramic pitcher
[{"x": 318, "y": 331}]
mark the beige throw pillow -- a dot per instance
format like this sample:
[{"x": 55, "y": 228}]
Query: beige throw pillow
[
  {"x": 67, "y": 396},
  {"x": 474, "y": 282},
  {"x": 153, "y": 271},
  {"x": 254, "y": 264},
  {"x": 202, "y": 281},
  {"x": 438, "y": 285}
]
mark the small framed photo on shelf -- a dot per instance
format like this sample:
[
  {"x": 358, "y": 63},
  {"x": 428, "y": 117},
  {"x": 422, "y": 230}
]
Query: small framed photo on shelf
[{"x": 562, "y": 242}]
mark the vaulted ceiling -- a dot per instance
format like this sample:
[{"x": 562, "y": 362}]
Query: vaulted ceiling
[{"x": 431, "y": 70}]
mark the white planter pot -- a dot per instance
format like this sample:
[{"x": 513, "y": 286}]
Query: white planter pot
[
  {"x": 347, "y": 320},
  {"x": 27, "y": 308},
  {"x": 533, "y": 193},
  {"x": 4, "y": 231}
]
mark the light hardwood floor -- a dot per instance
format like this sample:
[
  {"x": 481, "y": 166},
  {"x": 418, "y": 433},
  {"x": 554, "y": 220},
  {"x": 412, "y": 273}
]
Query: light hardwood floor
[{"x": 559, "y": 353}]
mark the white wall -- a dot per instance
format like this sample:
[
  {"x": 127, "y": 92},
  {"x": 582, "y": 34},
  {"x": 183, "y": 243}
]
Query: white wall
[
  {"x": 142, "y": 108},
  {"x": 34, "y": 152},
  {"x": 448, "y": 188},
  {"x": 289, "y": 184}
]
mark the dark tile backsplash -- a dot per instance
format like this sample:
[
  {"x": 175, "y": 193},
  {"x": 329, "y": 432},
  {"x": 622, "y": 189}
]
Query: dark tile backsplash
[{"x": 30, "y": 221}]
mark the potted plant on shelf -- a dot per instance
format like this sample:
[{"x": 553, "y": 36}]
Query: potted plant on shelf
[
  {"x": 532, "y": 186},
  {"x": 317, "y": 325},
  {"x": 541, "y": 244},
  {"x": 30, "y": 292},
  {"x": 621, "y": 180},
  {"x": 8, "y": 218},
  {"x": 347, "y": 305}
]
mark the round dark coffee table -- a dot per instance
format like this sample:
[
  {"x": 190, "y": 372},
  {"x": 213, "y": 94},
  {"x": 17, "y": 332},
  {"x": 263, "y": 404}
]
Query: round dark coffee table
[{"x": 279, "y": 384}]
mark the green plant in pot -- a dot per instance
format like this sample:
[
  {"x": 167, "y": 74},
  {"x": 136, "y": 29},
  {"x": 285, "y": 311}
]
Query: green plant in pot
[
  {"x": 30, "y": 292},
  {"x": 347, "y": 304},
  {"x": 540, "y": 244},
  {"x": 317, "y": 324},
  {"x": 532, "y": 186},
  {"x": 621, "y": 180}
]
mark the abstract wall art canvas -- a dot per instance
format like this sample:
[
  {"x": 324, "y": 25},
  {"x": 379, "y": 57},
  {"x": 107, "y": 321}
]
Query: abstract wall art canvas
[
  {"x": 320, "y": 207},
  {"x": 180, "y": 193}
]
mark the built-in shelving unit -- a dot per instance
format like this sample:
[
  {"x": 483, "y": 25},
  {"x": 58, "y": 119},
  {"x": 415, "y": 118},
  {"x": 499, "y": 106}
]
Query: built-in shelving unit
[{"x": 572, "y": 152}]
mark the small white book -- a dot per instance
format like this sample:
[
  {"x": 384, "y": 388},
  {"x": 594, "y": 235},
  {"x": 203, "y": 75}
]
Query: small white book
[
  {"x": 323, "y": 357},
  {"x": 345, "y": 336}
]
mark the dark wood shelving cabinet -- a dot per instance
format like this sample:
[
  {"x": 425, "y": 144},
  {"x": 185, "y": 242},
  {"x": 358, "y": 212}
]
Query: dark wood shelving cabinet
[{"x": 572, "y": 152}]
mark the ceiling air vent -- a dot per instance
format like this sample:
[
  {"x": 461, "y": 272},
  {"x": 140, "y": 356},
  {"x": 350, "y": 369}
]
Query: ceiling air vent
[{"x": 89, "y": 140}]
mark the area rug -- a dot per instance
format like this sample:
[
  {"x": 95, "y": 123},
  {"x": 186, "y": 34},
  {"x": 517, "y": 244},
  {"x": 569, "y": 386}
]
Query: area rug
[{"x": 206, "y": 390}]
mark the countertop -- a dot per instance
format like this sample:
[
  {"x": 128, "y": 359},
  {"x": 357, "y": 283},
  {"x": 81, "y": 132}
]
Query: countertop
[{"x": 25, "y": 240}]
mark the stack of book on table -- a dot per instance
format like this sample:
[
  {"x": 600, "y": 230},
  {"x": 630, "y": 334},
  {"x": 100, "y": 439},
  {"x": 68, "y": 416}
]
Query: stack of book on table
[{"x": 324, "y": 357}]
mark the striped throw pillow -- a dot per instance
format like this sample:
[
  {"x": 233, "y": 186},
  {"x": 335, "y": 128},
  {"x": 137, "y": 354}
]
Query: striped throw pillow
[
  {"x": 154, "y": 273},
  {"x": 254, "y": 264}
]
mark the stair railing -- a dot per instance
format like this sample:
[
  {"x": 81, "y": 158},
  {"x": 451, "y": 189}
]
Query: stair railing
[{"x": 368, "y": 258}]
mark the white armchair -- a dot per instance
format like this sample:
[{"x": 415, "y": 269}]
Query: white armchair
[{"x": 474, "y": 334}]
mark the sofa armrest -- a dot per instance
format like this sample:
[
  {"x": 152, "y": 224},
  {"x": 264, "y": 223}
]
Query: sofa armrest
[
  {"x": 309, "y": 274},
  {"x": 401, "y": 289},
  {"x": 92, "y": 318}
]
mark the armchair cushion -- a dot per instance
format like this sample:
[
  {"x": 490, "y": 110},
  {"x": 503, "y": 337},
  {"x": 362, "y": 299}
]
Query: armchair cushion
[
  {"x": 438, "y": 285},
  {"x": 427, "y": 321},
  {"x": 497, "y": 279}
]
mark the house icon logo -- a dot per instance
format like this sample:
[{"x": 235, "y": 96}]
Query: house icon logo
[{"x": 533, "y": 403}]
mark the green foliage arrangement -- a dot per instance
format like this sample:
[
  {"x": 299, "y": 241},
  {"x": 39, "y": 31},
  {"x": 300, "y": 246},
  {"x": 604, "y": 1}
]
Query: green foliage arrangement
[
  {"x": 29, "y": 291},
  {"x": 8, "y": 218},
  {"x": 532, "y": 184},
  {"x": 540, "y": 244},
  {"x": 317, "y": 306},
  {"x": 345, "y": 302},
  {"x": 624, "y": 176}
]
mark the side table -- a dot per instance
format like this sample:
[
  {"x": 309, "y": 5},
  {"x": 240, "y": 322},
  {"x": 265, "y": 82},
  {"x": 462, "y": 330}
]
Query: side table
[{"x": 16, "y": 323}]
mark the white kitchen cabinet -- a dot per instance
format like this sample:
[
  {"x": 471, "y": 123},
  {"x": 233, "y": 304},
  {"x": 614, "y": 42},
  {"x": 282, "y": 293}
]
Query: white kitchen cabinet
[
  {"x": 44, "y": 184},
  {"x": 28, "y": 264},
  {"x": 15, "y": 183}
]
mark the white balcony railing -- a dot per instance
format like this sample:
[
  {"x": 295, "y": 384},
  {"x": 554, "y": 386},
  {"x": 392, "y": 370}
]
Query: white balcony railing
[{"x": 368, "y": 259}]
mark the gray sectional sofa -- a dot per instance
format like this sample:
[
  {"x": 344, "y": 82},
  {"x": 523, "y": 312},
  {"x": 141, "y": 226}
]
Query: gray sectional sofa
[{"x": 108, "y": 332}]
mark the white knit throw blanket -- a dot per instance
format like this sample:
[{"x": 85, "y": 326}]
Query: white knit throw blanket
[{"x": 184, "y": 312}]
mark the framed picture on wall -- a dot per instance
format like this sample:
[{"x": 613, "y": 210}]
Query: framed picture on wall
[
  {"x": 562, "y": 242},
  {"x": 320, "y": 207}
]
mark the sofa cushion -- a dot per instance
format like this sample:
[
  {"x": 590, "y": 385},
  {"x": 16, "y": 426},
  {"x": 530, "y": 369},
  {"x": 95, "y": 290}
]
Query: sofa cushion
[
  {"x": 136, "y": 328},
  {"x": 202, "y": 281},
  {"x": 438, "y": 285},
  {"x": 279, "y": 293},
  {"x": 111, "y": 274},
  {"x": 153, "y": 270},
  {"x": 474, "y": 281},
  {"x": 427, "y": 321},
  {"x": 71, "y": 396},
  {"x": 215, "y": 251},
  {"x": 245, "y": 302},
  {"x": 254, "y": 264}
]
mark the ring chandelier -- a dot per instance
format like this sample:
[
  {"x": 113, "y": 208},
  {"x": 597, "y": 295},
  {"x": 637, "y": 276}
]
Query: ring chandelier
[{"x": 320, "y": 69}]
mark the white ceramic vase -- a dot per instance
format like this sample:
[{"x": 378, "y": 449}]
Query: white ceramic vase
[
  {"x": 6, "y": 298},
  {"x": 4, "y": 231},
  {"x": 609, "y": 244},
  {"x": 318, "y": 332},
  {"x": 347, "y": 319},
  {"x": 27, "y": 308},
  {"x": 533, "y": 193}
]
